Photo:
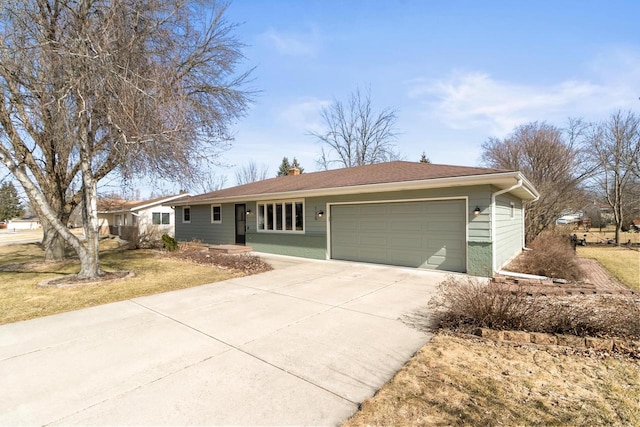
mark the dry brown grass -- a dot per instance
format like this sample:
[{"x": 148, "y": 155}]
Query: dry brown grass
[
  {"x": 459, "y": 381},
  {"x": 21, "y": 270},
  {"x": 622, "y": 263}
]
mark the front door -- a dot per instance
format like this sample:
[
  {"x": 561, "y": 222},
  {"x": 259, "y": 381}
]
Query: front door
[{"x": 241, "y": 222}]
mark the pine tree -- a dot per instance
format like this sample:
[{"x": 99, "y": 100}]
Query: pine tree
[
  {"x": 283, "y": 170},
  {"x": 295, "y": 164},
  {"x": 424, "y": 158},
  {"x": 10, "y": 206}
]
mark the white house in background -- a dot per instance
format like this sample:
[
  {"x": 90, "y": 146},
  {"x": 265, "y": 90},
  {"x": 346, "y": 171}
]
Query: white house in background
[
  {"x": 31, "y": 223},
  {"x": 146, "y": 220}
]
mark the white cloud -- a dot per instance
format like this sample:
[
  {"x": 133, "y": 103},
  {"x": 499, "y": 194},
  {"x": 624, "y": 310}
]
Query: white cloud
[
  {"x": 303, "y": 115},
  {"x": 293, "y": 44},
  {"x": 476, "y": 100}
]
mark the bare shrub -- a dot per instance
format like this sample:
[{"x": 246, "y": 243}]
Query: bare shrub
[
  {"x": 463, "y": 303},
  {"x": 469, "y": 302},
  {"x": 552, "y": 256},
  {"x": 194, "y": 251},
  {"x": 590, "y": 316}
]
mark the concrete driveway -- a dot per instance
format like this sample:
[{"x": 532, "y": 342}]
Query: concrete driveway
[{"x": 303, "y": 344}]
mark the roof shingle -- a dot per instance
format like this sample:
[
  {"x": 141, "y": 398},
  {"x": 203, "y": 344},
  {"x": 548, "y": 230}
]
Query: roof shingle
[{"x": 379, "y": 173}]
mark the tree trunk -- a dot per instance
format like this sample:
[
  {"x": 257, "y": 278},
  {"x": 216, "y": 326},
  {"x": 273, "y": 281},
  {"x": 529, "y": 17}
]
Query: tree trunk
[
  {"x": 89, "y": 259},
  {"x": 52, "y": 242}
]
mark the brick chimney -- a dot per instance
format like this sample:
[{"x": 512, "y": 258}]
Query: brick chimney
[{"x": 294, "y": 171}]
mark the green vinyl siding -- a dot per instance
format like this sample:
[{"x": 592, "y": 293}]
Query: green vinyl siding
[
  {"x": 313, "y": 242},
  {"x": 508, "y": 238},
  {"x": 200, "y": 228}
]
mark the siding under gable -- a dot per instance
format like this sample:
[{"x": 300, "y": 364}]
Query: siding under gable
[{"x": 508, "y": 239}]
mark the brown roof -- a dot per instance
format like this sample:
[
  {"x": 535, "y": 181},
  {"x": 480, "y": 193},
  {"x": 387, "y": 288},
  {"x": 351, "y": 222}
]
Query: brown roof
[
  {"x": 380, "y": 173},
  {"x": 111, "y": 204}
]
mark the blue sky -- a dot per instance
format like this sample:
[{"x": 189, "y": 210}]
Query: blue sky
[{"x": 457, "y": 72}]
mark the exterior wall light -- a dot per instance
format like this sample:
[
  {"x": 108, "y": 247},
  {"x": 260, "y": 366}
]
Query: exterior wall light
[
  {"x": 476, "y": 211},
  {"x": 318, "y": 214},
  {"x": 248, "y": 212}
]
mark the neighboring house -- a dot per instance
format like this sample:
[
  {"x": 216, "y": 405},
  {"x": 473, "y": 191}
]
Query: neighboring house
[
  {"x": 27, "y": 223},
  {"x": 136, "y": 219},
  {"x": 451, "y": 218}
]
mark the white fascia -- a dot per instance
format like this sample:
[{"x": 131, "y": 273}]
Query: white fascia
[{"x": 498, "y": 179}]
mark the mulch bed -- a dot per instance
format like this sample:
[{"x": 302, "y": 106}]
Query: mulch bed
[
  {"x": 74, "y": 280},
  {"x": 199, "y": 254}
]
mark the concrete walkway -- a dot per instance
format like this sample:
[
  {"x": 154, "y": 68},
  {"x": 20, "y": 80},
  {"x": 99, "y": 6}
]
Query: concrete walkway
[{"x": 300, "y": 345}]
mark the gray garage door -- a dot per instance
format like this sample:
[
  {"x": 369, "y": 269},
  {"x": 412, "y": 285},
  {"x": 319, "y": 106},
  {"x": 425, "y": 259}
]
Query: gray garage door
[{"x": 413, "y": 234}]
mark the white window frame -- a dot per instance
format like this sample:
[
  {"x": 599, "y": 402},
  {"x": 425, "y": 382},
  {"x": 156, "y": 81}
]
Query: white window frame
[
  {"x": 219, "y": 221},
  {"x": 162, "y": 216},
  {"x": 261, "y": 209},
  {"x": 184, "y": 208}
]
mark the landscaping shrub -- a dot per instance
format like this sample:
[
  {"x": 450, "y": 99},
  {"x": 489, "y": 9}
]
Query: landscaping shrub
[
  {"x": 194, "y": 251},
  {"x": 552, "y": 255},
  {"x": 169, "y": 242},
  {"x": 464, "y": 303},
  {"x": 467, "y": 301}
]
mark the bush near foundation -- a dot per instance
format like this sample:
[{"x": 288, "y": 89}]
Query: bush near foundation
[
  {"x": 552, "y": 255},
  {"x": 468, "y": 303}
]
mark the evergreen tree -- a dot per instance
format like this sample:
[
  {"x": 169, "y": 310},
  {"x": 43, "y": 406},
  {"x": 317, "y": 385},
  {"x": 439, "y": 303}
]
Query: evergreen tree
[
  {"x": 424, "y": 158},
  {"x": 10, "y": 206},
  {"x": 295, "y": 164},
  {"x": 285, "y": 166},
  {"x": 283, "y": 170}
]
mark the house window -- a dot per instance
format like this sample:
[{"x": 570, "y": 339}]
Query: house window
[
  {"x": 118, "y": 220},
  {"x": 160, "y": 218},
  {"x": 216, "y": 214},
  {"x": 260, "y": 217},
  {"x": 186, "y": 214},
  {"x": 285, "y": 216},
  {"x": 513, "y": 210}
]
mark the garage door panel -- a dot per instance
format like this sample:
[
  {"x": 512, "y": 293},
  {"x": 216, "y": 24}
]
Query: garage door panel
[
  {"x": 407, "y": 209},
  {"x": 410, "y": 243},
  {"x": 416, "y": 234},
  {"x": 379, "y": 241}
]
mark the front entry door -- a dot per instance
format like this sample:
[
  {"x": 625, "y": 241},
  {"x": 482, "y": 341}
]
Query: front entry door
[{"x": 241, "y": 222}]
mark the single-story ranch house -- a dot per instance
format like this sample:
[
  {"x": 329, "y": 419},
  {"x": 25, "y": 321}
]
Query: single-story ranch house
[
  {"x": 148, "y": 219},
  {"x": 452, "y": 218}
]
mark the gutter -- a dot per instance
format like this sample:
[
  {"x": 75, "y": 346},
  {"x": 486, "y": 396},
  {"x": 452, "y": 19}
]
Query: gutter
[{"x": 422, "y": 184}]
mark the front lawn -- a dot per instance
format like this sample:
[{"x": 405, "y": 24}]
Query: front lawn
[
  {"x": 21, "y": 269},
  {"x": 463, "y": 380},
  {"x": 623, "y": 263},
  {"x": 466, "y": 381}
]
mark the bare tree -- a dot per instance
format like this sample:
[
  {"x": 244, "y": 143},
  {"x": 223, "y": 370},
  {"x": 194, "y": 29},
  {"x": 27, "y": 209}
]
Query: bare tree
[
  {"x": 550, "y": 158},
  {"x": 615, "y": 144},
  {"x": 251, "y": 172},
  {"x": 355, "y": 134},
  {"x": 213, "y": 182},
  {"x": 93, "y": 87}
]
